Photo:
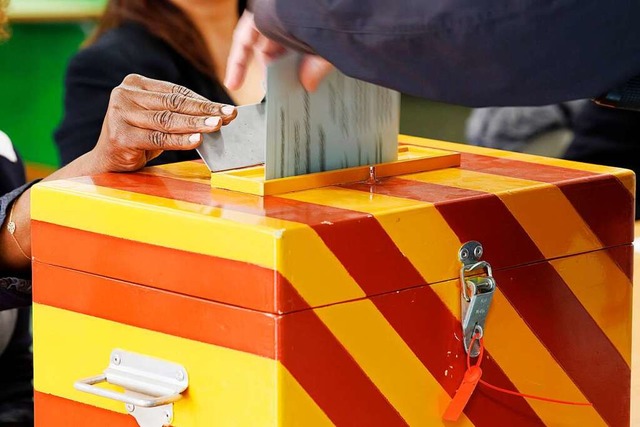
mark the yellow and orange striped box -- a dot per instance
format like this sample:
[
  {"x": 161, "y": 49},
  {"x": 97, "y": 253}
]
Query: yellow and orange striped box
[{"x": 339, "y": 305}]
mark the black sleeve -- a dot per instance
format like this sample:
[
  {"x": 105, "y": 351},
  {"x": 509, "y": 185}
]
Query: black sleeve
[
  {"x": 476, "y": 53},
  {"x": 91, "y": 76}
]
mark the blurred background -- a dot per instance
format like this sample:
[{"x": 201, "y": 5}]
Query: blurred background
[{"x": 46, "y": 33}]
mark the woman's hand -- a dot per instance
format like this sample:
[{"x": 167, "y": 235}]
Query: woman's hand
[{"x": 146, "y": 117}]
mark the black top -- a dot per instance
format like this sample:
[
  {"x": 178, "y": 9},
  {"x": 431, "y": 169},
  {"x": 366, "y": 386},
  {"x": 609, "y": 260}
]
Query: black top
[
  {"x": 606, "y": 136},
  {"x": 11, "y": 167},
  {"x": 96, "y": 70}
]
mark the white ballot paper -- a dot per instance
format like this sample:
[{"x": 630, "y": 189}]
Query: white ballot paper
[{"x": 345, "y": 123}]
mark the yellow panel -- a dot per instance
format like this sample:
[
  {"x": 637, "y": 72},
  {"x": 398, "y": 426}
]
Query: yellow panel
[
  {"x": 160, "y": 221},
  {"x": 529, "y": 365},
  {"x": 226, "y": 387},
  {"x": 602, "y": 289},
  {"x": 388, "y": 362}
]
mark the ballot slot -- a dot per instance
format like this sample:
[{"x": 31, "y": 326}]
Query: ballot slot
[{"x": 411, "y": 159}]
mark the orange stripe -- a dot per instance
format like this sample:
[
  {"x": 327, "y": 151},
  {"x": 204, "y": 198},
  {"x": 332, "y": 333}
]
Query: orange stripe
[
  {"x": 169, "y": 269},
  {"x": 53, "y": 411},
  {"x": 156, "y": 310}
]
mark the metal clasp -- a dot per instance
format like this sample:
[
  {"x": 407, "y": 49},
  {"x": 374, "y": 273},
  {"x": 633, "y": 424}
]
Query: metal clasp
[
  {"x": 476, "y": 293},
  {"x": 151, "y": 386}
]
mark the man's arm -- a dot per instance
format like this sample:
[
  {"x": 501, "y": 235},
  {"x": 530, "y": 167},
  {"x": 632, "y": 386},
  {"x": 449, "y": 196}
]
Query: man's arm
[{"x": 487, "y": 52}]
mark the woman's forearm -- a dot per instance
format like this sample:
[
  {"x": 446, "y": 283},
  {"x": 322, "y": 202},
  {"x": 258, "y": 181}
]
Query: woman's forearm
[{"x": 15, "y": 251}]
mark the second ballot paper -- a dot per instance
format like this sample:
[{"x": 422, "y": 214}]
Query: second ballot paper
[{"x": 344, "y": 123}]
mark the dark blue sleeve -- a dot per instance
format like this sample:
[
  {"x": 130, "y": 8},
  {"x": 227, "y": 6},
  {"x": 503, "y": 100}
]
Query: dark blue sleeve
[{"x": 475, "y": 53}]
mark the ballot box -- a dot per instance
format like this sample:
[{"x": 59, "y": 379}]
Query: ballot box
[{"x": 160, "y": 300}]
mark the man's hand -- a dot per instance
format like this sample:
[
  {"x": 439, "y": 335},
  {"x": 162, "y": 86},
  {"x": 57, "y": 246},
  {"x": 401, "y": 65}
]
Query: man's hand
[
  {"x": 146, "y": 117},
  {"x": 248, "y": 41}
]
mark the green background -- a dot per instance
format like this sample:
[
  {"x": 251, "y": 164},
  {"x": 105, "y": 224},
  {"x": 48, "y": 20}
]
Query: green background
[{"x": 45, "y": 34}]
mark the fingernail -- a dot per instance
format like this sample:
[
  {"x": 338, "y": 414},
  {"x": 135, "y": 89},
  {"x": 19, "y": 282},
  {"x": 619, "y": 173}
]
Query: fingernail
[
  {"x": 194, "y": 138},
  {"x": 228, "y": 110},
  {"x": 230, "y": 82},
  {"x": 212, "y": 122}
]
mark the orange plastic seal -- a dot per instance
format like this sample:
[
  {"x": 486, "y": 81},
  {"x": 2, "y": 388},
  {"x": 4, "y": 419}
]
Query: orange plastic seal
[{"x": 463, "y": 394}]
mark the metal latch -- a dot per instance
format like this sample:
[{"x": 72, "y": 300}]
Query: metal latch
[
  {"x": 476, "y": 294},
  {"x": 151, "y": 386}
]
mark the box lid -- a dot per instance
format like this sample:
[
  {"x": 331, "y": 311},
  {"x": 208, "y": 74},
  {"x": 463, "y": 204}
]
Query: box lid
[{"x": 165, "y": 227}]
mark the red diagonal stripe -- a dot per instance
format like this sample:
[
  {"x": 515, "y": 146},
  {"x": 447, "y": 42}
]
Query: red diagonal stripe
[
  {"x": 572, "y": 336},
  {"x": 489, "y": 221},
  {"x": 602, "y": 200},
  {"x": 324, "y": 368},
  {"x": 439, "y": 348},
  {"x": 605, "y": 205},
  {"x": 520, "y": 169}
]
